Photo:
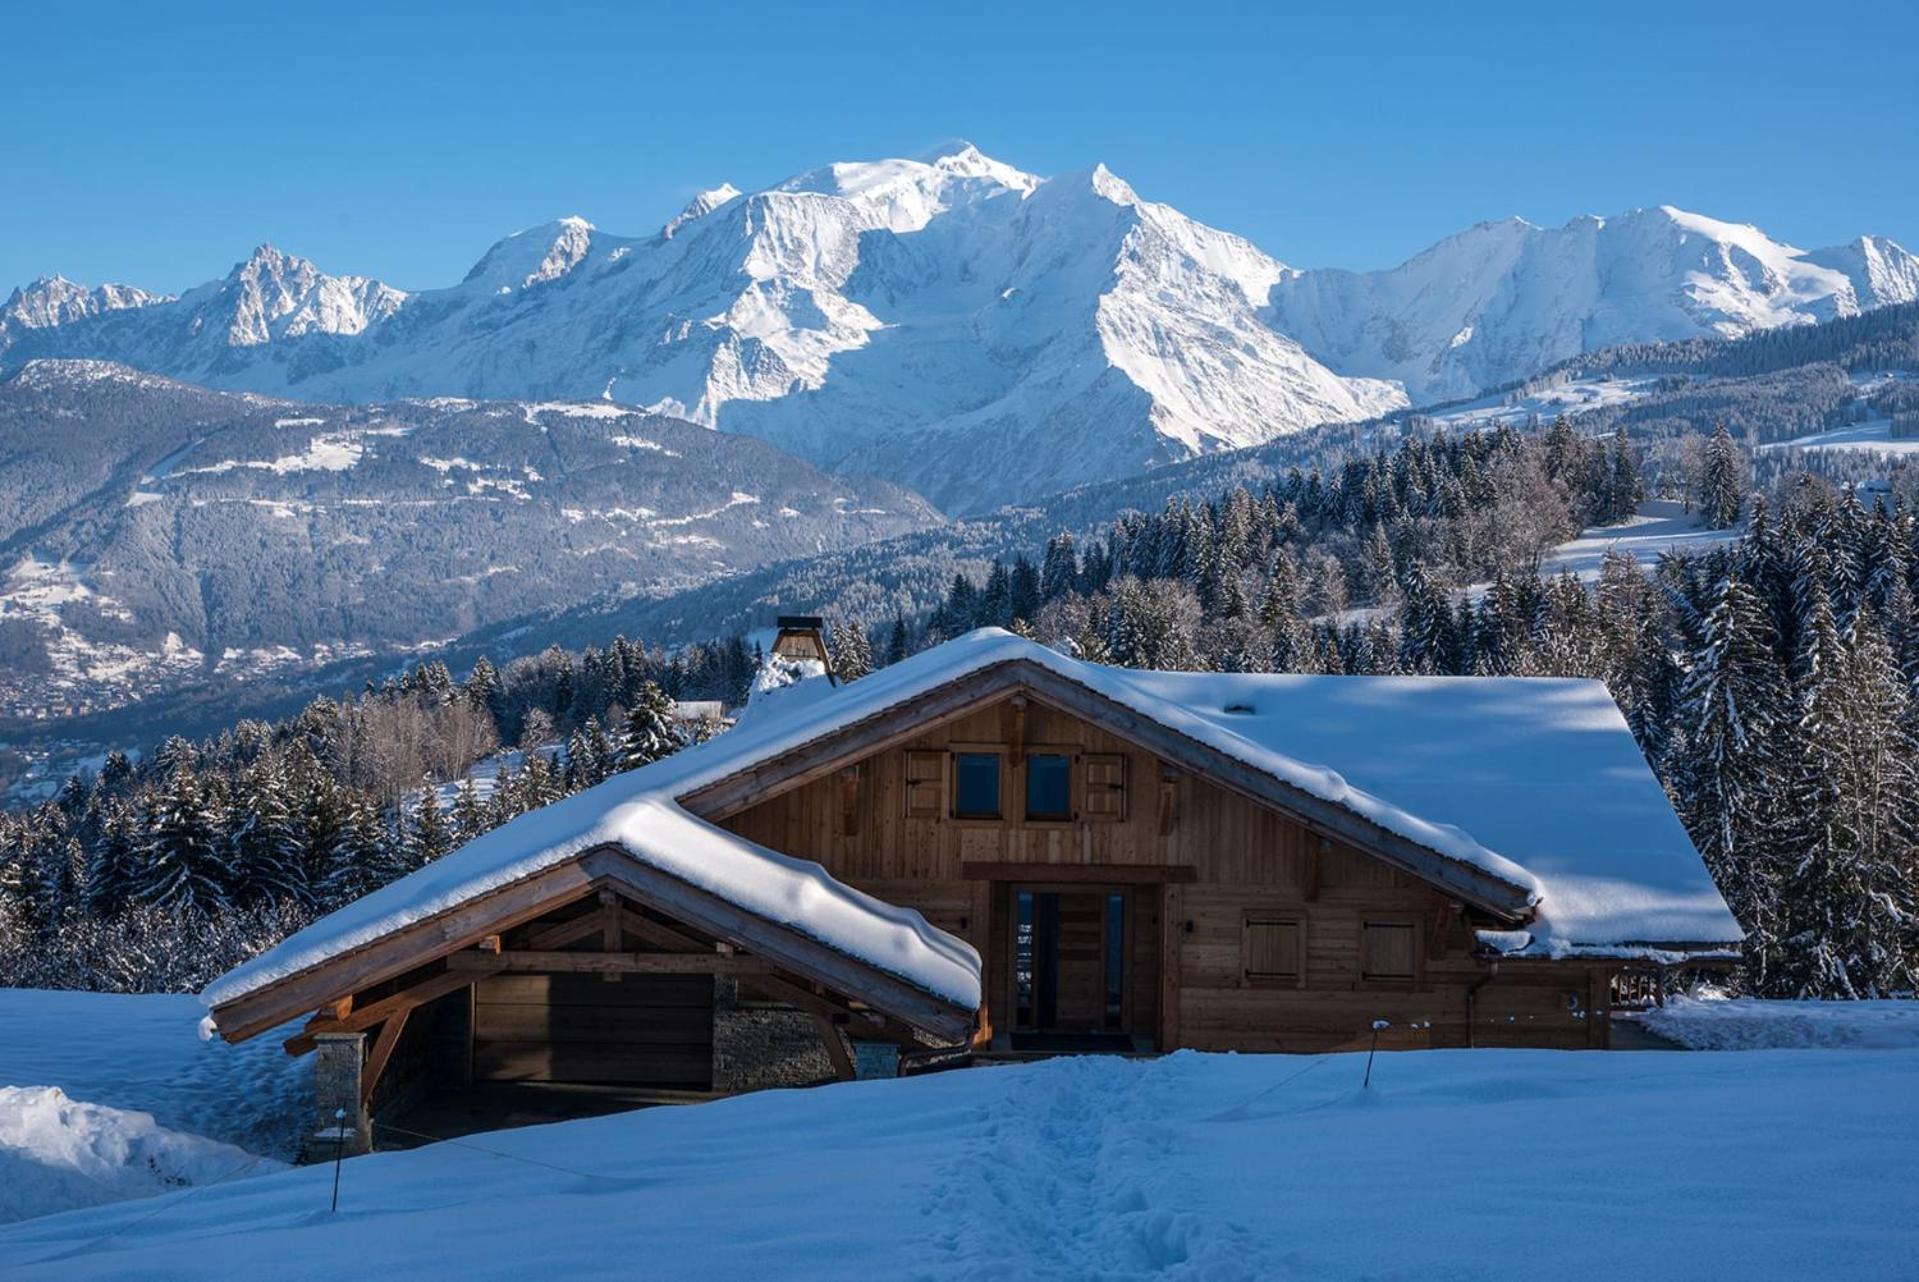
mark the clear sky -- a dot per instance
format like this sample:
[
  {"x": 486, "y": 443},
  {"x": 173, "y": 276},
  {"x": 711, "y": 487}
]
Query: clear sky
[{"x": 158, "y": 143}]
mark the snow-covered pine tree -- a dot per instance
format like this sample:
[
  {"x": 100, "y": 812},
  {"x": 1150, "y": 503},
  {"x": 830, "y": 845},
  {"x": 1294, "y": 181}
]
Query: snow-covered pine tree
[
  {"x": 428, "y": 837},
  {"x": 1846, "y": 900},
  {"x": 1734, "y": 708},
  {"x": 262, "y": 851},
  {"x": 1721, "y": 492},
  {"x": 469, "y": 816},
  {"x": 1625, "y": 489},
  {"x": 1059, "y": 568},
  {"x": 852, "y": 654},
  {"x": 365, "y": 856},
  {"x": 115, "y": 863},
  {"x": 182, "y": 865},
  {"x": 649, "y": 729}
]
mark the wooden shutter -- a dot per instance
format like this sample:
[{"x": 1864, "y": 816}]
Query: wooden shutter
[
  {"x": 925, "y": 785},
  {"x": 1386, "y": 950},
  {"x": 1103, "y": 776},
  {"x": 1272, "y": 948}
]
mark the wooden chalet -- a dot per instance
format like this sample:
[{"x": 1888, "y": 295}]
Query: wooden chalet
[{"x": 994, "y": 849}]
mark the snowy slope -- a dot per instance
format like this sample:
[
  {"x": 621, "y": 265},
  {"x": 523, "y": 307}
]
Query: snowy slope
[
  {"x": 1456, "y": 1164},
  {"x": 1504, "y": 300},
  {"x": 963, "y": 327},
  {"x": 873, "y": 315}
]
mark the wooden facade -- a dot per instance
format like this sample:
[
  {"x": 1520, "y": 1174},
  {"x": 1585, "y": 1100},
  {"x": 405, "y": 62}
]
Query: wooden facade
[{"x": 1162, "y": 908}]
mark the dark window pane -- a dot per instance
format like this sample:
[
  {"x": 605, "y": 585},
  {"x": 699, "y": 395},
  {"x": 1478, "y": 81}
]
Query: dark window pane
[
  {"x": 976, "y": 785},
  {"x": 1048, "y": 795}
]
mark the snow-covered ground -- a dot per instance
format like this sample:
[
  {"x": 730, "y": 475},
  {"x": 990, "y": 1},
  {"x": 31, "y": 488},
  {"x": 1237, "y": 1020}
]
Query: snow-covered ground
[
  {"x": 1750, "y": 1024},
  {"x": 105, "y": 1096},
  {"x": 1873, "y": 437},
  {"x": 1662, "y": 525},
  {"x": 1457, "y": 1164},
  {"x": 1577, "y": 396}
]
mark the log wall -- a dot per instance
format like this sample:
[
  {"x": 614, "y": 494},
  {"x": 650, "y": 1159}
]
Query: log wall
[{"x": 1197, "y": 863}]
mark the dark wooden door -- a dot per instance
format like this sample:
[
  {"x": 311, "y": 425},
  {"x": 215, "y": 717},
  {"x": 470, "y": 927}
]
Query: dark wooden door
[
  {"x": 638, "y": 1030},
  {"x": 1080, "y": 998}
]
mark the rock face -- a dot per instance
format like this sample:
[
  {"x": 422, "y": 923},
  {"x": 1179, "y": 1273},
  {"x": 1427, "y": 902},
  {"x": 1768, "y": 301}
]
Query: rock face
[{"x": 955, "y": 324}]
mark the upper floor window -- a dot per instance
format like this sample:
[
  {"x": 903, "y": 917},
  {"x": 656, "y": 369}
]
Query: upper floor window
[
  {"x": 1049, "y": 792},
  {"x": 976, "y": 785}
]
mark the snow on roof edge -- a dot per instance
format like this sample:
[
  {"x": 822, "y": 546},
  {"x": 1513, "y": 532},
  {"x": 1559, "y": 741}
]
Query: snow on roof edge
[{"x": 639, "y": 812}]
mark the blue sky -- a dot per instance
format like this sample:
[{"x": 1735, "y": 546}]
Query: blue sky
[{"x": 158, "y": 143}]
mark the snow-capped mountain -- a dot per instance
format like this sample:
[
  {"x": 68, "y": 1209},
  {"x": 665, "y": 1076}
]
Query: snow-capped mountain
[
  {"x": 964, "y": 327},
  {"x": 1503, "y": 300},
  {"x": 949, "y": 321}
]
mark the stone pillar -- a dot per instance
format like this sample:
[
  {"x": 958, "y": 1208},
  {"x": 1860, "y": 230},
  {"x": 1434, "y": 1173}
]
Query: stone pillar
[
  {"x": 337, "y": 1060},
  {"x": 875, "y": 1059}
]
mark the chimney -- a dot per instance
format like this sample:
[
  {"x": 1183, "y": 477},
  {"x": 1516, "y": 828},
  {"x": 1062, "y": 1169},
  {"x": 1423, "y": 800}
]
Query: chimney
[{"x": 802, "y": 636}]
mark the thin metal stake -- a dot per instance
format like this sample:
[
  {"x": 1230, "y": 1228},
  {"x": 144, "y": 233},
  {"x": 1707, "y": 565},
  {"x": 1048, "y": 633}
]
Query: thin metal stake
[
  {"x": 339, "y": 1152},
  {"x": 1370, "y": 1052}
]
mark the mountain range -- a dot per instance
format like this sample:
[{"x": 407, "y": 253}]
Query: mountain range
[{"x": 961, "y": 327}]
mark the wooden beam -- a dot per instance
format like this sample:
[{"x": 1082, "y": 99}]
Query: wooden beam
[
  {"x": 382, "y": 1052},
  {"x": 610, "y": 932},
  {"x": 1016, "y": 729},
  {"x": 785, "y": 948},
  {"x": 1168, "y": 799},
  {"x": 393, "y": 955},
  {"x": 1172, "y": 929},
  {"x": 518, "y": 961},
  {"x": 836, "y": 1049},
  {"x": 1111, "y": 874},
  {"x": 562, "y": 933},
  {"x": 374, "y": 1012}
]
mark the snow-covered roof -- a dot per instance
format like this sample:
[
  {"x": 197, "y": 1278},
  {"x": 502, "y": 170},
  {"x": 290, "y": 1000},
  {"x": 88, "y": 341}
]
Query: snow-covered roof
[{"x": 1535, "y": 781}]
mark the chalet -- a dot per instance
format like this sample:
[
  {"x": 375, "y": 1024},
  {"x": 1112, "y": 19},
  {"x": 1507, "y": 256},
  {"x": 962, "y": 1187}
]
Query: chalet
[{"x": 992, "y": 848}]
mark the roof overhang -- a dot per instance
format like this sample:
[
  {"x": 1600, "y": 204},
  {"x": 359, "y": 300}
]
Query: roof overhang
[{"x": 460, "y": 927}]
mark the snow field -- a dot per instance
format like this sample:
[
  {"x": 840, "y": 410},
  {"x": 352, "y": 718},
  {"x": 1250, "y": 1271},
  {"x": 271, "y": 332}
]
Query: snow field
[
  {"x": 1750, "y": 1024},
  {"x": 1458, "y": 1164}
]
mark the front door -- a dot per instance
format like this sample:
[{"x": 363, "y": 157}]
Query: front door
[{"x": 1069, "y": 960}]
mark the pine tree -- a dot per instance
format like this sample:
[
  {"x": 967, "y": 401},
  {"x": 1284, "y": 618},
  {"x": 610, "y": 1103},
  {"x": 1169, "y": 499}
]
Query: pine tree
[
  {"x": 364, "y": 857},
  {"x": 1059, "y": 569},
  {"x": 261, "y": 847},
  {"x": 852, "y": 655},
  {"x": 111, "y": 880},
  {"x": 181, "y": 864},
  {"x": 428, "y": 837},
  {"x": 1846, "y": 901},
  {"x": 1722, "y": 491},
  {"x": 649, "y": 729},
  {"x": 1733, "y": 710},
  {"x": 897, "y": 645},
  {"x": 1624, "y": 488},
  {"x": 469, "y": 815}
]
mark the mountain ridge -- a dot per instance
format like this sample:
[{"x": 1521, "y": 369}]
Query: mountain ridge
[{"x": 962, "y": 327}]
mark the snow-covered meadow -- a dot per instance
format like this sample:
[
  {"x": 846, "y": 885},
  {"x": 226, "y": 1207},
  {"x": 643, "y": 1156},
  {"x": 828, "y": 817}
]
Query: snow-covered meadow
[{"x": 1466, "y": 1164}]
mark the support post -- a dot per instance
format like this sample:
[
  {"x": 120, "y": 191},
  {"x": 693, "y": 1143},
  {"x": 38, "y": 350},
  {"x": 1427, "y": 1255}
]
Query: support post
[{"x": 337, "y": 1060}]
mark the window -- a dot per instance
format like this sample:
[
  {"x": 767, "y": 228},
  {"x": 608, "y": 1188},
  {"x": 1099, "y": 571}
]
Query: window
[
  {"x": 1386, "y": 950},
  {"x": 1049, "y": 786},
  {"x": 1103, "y": 787},
  {"x": 1272, "y": 948},
  {"x": 976, "y": 785}
]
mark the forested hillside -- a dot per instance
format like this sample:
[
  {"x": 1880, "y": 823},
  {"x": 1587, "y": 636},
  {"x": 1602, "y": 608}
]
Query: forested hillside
[{"x": 1770, "y": 683}]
